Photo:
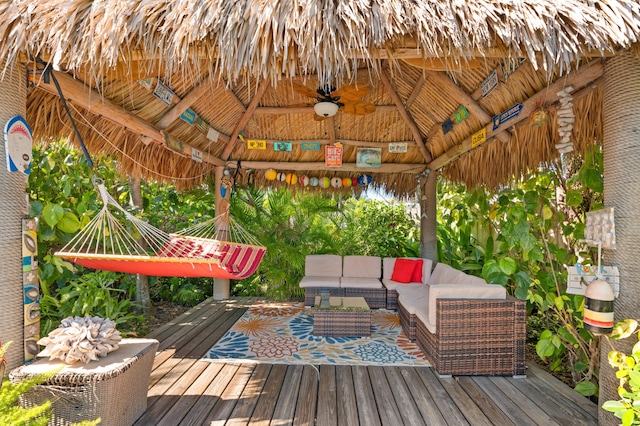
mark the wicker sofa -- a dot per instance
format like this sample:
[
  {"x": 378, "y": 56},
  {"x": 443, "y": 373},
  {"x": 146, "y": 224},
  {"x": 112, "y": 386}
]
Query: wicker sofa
[
  {"x": 351, "y": 276},
  {"x": 464, "y": 325}
]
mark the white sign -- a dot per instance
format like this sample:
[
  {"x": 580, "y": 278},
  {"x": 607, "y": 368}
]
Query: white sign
[
  {"x": 489, "y": 83},
  {"x": 196, "y": 155},
  {"x": 579, "y": 276},
  {"x": 163, "y": 93},
  {"x": 213, "y": 134},
  {"x": 397, "y": 147}
]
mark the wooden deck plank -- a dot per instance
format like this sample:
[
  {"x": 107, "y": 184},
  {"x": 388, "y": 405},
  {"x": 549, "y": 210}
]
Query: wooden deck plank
[
  {"x": 466, "y": 405},
  {"x": 551, "y": 385},
  {"x": 263, "y": 412},
  {"x": 187, "y": 400},
  {"x": 222, "y": 410},
  {"x": 193, "y": 314},
  {"x": 367, "y": 410},
  {"x": 510, "y": 408},
  {"x": 210, "y": 397},
  {"x": 305, "y": 414},
  {"x": 286, "y": 405},
  {"x": 526, "y": 403},
  {"x": 404, "y": 400},
  {"x": 243, "y": 410},
  {"x": 387, "y": 408},
  {"x": 421, "y": 396},
  {"x": 208, "y": 333},
  {"x": 169, "y": 379},
  {"x": 488, "y": 407},
  {"x": 562, "y": 413},
  {"x": 327, "y": 414},
  {"x": 346, "y": 396},
  {"x": 450, "y": 412},
  {"x": 161, "y": 397}
]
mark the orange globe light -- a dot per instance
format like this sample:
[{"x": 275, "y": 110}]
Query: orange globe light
[
  {"x": 292, "y": 178},
  {"x": 346, "y": 182},
  {"x": 270, "y": 174}
]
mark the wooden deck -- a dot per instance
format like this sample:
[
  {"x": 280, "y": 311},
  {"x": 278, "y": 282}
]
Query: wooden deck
[{"x": 186, "y": 391}]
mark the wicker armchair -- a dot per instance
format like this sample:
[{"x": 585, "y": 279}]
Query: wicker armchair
[{"x": 475, "y": 337}]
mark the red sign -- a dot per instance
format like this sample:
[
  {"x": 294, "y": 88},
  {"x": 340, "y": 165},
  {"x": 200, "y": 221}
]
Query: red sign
[{"x": 333, "y": 156}]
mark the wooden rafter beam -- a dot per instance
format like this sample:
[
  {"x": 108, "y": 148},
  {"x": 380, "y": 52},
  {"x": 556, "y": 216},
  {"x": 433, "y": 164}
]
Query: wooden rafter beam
[
  {"x": 416, "y": 168},
  {"x": 415, "y": 92},
  {"x": 463, "y": 98},
  {"x": 246, "y": 116},
  {"x": 578, "y": 79},
  {"x": 415, "y": 131},
  {"x": 79, "y": 94}
]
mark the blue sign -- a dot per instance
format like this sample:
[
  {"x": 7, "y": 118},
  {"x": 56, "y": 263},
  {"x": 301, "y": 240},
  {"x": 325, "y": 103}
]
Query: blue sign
[
  {"x": 512, "y": 112},
  {"x": 310, "y": 146},
  {"x": 189, "y": 116}
]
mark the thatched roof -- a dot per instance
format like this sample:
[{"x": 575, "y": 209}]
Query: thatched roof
[{"x": 235, "y": 64}]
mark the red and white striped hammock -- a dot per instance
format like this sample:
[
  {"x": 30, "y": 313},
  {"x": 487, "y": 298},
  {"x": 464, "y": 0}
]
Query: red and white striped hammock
[{"x": 203, "y": 250}]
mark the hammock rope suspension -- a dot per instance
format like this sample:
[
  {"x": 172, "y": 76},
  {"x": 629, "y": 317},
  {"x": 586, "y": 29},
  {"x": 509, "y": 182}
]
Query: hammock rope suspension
[{"x": 217, "y": 248}]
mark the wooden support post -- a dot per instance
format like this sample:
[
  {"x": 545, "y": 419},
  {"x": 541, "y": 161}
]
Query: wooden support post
[
  {"x": 428, "y": 227},
  {"x": 620, "y": 123},
  {"x": 221, "y": 286},
  {"x": 13, "y": 326}
]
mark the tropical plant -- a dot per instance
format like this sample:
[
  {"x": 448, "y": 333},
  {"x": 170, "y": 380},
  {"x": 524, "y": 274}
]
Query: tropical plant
[
  {"x": 627, "y": 408},
  {"x": 523, "y": 237}
]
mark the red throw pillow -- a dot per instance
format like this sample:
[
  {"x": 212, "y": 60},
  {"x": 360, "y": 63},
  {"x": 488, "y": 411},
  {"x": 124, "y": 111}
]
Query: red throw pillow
[
  {"x": 403, "y": 270},
  {"x": 416, "y": 277}
]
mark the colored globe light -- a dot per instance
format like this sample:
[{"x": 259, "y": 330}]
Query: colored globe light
[
  {"x": 270, "y": 174},
  {"x": 336, "y": 182}
]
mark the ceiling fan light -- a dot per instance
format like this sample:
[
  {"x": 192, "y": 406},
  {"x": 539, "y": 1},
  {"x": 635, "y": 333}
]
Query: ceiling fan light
[{"x": 325, "y": 109}]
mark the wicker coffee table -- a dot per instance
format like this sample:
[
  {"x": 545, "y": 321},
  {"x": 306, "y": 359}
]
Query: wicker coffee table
[{"x": 347, "y": 317}]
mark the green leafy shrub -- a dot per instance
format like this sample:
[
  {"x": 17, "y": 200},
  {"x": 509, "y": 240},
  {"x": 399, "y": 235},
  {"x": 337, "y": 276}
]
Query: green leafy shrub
[
  {"x": 627, "y": 408},
  {"x": 95, "y": 294}
]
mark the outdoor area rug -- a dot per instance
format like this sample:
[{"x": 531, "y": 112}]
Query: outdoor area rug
[{"x": 281, "y": 333}]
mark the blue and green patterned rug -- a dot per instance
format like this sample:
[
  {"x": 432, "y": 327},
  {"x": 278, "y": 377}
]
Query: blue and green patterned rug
[{"x": 281, "y": 332}]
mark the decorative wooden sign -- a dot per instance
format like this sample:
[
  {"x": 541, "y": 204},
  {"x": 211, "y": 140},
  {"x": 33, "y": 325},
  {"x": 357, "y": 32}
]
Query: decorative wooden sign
[
  {"x": 189, "y": 116},
  {"x": 213, "y": 134},
  {"x": 398, "y": 147},
  {"x": 333, "y": 156},
  {"x": 479, "y": 137},
  {"x": 461, "y": 114},
  {"x": 282, "y": 146},
  {"x": 310, "y": 146},
  {"x": 31, "y": 289},
  {"x": 579, "y": 276},
  {"x": 507, "y": 115},
  {"x": 18, "y": 142},
  {"x": 256, "y": 144},
  {"x": 489, "y": 83},
  {"x": 368, "y": 157},
  {"x": 196, "y": 155},
  {"x": 202, "y": 125},
  {"x": 163, "y": 93}
]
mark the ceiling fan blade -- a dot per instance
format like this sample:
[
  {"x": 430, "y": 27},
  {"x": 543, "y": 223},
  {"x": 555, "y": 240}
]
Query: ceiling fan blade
[
  {"x": 358, "y": 108},
  {"x": 351, "y": 92},
  {"x": 304, "y": 90}
]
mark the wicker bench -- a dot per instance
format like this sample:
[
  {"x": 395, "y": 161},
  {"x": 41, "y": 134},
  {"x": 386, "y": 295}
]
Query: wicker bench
[{"x": 113, "y": 388}]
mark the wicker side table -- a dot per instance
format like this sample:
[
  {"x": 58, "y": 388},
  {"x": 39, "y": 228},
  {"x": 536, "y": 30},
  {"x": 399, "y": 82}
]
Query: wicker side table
[
  {"x": 347, "y": 317},
  {"x": 113, "y": 388}
]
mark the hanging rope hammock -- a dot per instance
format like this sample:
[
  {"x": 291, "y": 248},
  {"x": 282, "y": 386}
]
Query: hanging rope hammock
[{"x": 217, "y": 248}]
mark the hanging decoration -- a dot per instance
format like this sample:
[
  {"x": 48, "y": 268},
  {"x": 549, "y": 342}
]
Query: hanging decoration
[
  {"x": 303, "y": 180},
  {"x": 336, "y": 182},
  {"x": 507, "y": 115},
  {"x": 270, "y": 174},
  {"x": 291, "y": 178},
  {"x": 314, "y": 181},
  {"x": 368, "y": 157},
  {"x": 282, "y": 146},
  {"x": 18, "y": 143},
  {"x": 489, "y": 83},
  {"x": 333, "y": 156},
  {"x": 565, "y": 117},
  {"x": 31, "y": 289},
  {"x": 310, "y": 146},
  {"x": 539, "y": 116},
  {"x": 398, "y": 147}
]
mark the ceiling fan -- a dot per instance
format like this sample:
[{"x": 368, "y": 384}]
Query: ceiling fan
[{"x": 329, "y": 100}]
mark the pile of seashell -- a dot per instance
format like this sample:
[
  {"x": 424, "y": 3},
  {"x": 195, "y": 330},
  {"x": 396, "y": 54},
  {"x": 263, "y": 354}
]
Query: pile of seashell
[
  {"x": 565, "y": 120},
  {"x": 81, "y": 339}
]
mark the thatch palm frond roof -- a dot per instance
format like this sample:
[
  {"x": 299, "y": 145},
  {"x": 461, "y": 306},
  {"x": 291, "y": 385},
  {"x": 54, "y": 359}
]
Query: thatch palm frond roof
[{"x": 235, "y": 65}]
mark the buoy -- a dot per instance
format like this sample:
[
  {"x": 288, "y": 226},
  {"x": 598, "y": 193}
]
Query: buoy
[{"x": 598, "y": 307}]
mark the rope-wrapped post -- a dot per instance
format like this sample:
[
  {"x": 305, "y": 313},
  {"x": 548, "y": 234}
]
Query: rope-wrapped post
[
  {"x": 621, "y": 125},
  {"x": 221, "y": 286},
  {"x": 13, "y": 101}
]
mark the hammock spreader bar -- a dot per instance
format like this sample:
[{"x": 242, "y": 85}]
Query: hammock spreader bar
[{"x": 200, "y": 251}]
